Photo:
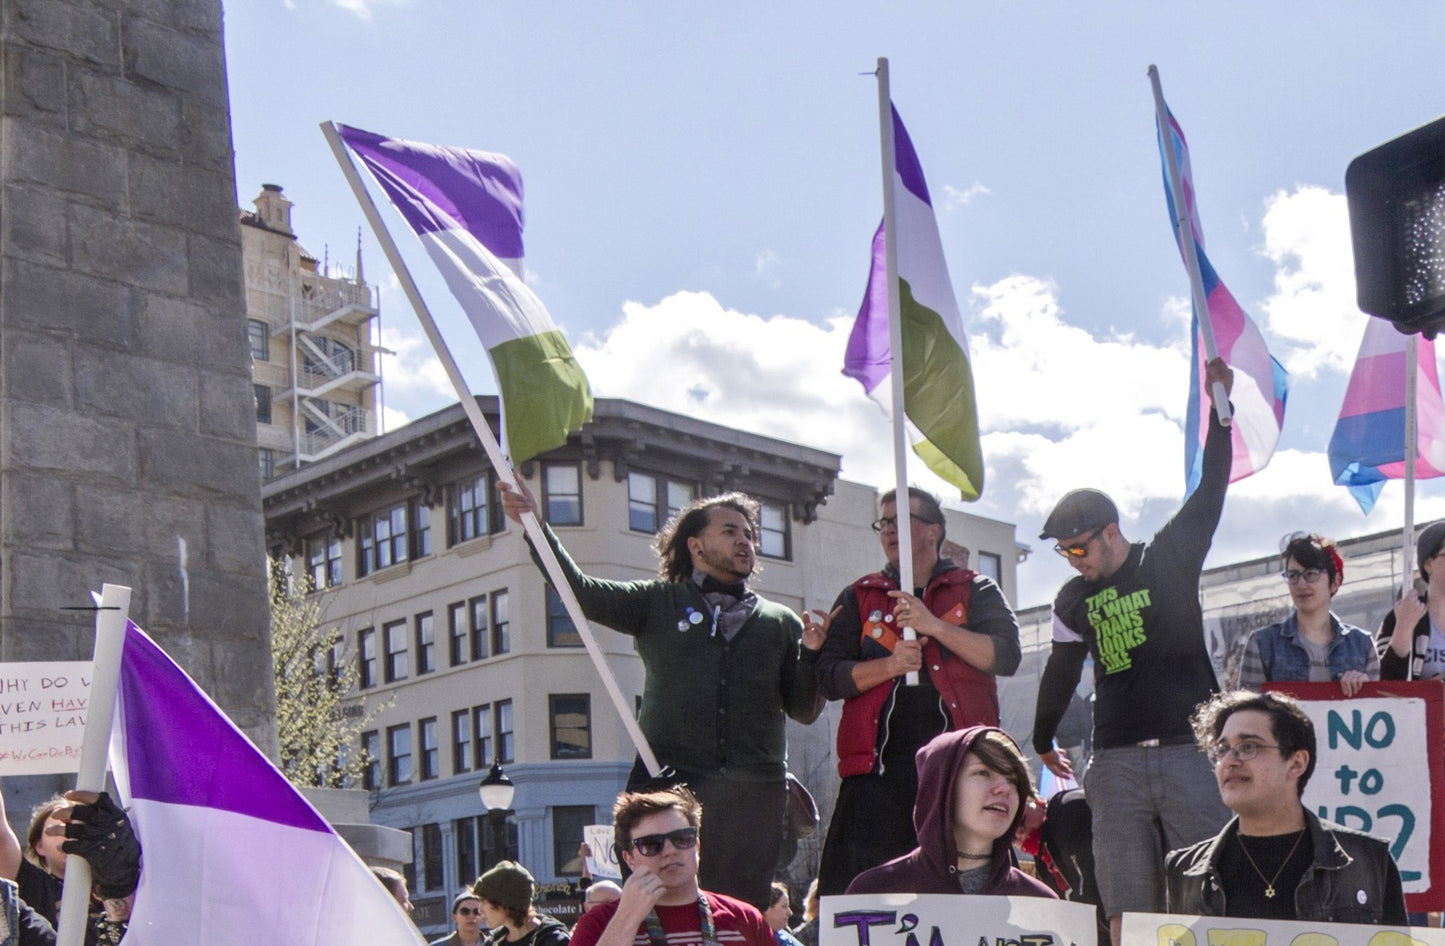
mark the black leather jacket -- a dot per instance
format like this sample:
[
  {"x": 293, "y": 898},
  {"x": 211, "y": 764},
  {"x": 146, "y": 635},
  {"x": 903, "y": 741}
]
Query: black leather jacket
[{"x": 1348, "y": 866}]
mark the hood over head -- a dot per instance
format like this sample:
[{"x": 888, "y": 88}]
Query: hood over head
[{"x": 938, "y": 762}]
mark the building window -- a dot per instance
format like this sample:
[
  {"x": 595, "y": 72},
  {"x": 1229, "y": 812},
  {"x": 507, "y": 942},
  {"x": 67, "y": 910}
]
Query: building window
[
  {"x": 481, "y": 642},
  {"x": 421, "y": 530},
  {"x": 366, "y": 658},
  {"x": 991, "y": 564},
  {"x": 461, "y": 741},
  {"x": 431, "y": 857},
  {"x": 429, "y": 748},
  {"x": 381, "y": 540},
  {"x": 259, "y": 335},
  {"x": 471, "y": 509},
  {"x": 506, "y": 740},
  {"x": 568, "y": 822},
  {"x": 457, "y": 634},
  {"x": 323, "y": 561},
  {"x": 773, "y": 538},
  {"x": 371, "y": 749},
  {"x": 653, "y": 500},
  {"x": 562, "y": 493},
  {"x": 426, "y": 644},
  {"x": 394, "y": 639},
  {"x": 482, "y": 728},
  {"x": 267, "y": 457},
  {"x": 263, "y": 403},
  {"x": 482, "y": 842},
  {"x": 501, "y": 623},
  {"x": 571, "y": 716},
  {"x": 561, "y": 632},
  {"x": 398, "y": 756},
  {"x": 465, "y": 830}
]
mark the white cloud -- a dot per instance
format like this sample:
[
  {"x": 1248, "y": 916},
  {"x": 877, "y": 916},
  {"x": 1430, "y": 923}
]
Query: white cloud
[
  {"x": 415, "y": 382},
  {"x": 1312, "y": 308},
  {"x": 765, "y": 262},
  {"x": 954, "y": 197}
]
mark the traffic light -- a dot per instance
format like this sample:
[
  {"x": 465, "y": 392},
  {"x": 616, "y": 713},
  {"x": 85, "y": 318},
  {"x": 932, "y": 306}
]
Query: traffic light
[{"x": 1396, "y": 195}]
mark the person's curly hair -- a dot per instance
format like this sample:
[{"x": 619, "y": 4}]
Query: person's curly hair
[{"x": 674, "y": 559}]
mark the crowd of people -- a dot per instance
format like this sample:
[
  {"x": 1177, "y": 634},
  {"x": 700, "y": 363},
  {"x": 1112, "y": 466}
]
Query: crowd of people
[{"x": 1192, "y": 795}]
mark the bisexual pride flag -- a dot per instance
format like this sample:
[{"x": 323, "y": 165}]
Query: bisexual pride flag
[
  {"x": 938, "y": 395},
  {"x": 233, "y": 855},
  {"x": 1260, "y": 383},
  {"x": 466, "y": 208},
  {"x": 1368, "y": 445}
]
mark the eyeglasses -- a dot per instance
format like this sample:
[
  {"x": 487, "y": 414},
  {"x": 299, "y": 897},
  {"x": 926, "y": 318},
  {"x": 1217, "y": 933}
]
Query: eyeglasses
[
  {"x": 469, "y": 911},
  {"x": 1078, "y": 549},
  {"x": 1309, "y": 576},
  {"x": 891, "y": 522},
  {"x": 1243, "y": 752},
  {"x": 650, "y": 845}
]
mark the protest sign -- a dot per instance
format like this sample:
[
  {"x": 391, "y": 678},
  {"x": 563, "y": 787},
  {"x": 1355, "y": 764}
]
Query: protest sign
[
  {"x": 1167, "y": 929},
  {"x": 42, "y": 716},
  {"x": 1380, "y": 770},
  {"x": 910, "y": 919},
  {"x": 602, "y": 862}
]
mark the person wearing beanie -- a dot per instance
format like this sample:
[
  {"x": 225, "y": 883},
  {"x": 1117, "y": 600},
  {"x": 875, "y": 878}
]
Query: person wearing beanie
[
  {"x": 1134, "y": 608},
  {"x": 1312, "y": 643},
  {"x": 467, "y": 918},
  {"x": 1412, "y": 635},
  {"x": 506, "y": 893}
]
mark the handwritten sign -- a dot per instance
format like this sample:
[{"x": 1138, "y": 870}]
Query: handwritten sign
[
  {"x": 909, "y": 919},
  {"x": 1164, "y": 929},
  {"x": 602, "y": 862},
  {"x": 42, "y": 716},
  {"x": 1379, "y": 770}
]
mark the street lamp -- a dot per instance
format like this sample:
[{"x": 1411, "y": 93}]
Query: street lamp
[{"x": 496, "y": 791}]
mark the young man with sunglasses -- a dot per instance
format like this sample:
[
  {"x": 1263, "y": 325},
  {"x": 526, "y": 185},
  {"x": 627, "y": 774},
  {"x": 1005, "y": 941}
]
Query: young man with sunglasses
[
  {"x": 656, "y": 834},
  {"x": 1276, "y": 860},
  {"x": 467, "y": 918},
  {"x": 1134, "y": 608},
  {"x": 966, "y": 635}
]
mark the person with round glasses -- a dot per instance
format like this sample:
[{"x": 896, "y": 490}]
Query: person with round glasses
[{"x": 1312, "y": 644}]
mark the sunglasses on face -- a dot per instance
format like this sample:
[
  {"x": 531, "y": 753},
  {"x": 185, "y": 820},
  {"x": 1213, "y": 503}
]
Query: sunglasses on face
[
  {"x": 1078, "y": 549},
  {"x": 650, "y": 845},
  {"x": 469, "y": 911}
]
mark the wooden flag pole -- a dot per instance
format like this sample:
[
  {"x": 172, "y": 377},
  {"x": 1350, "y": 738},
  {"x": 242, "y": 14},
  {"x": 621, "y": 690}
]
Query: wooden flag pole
[
  {"x": 1185, "y": 229},
  {"x": 500, "y": 463}
]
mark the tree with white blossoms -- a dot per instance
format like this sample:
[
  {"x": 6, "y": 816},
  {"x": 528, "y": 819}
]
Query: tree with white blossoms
[{"x": 318, "y": 727}]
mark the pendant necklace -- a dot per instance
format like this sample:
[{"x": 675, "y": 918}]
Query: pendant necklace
[{"x": 1269, "y": 881}]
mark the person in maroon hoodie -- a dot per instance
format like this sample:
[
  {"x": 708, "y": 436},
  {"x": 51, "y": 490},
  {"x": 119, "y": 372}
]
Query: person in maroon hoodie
[{"x": 972, "y": 786}]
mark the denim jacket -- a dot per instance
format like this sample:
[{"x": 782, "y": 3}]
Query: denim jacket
[{"x": 1274, "y": 653}]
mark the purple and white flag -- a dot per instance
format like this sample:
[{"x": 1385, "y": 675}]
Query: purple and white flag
[{"x": 233, "y": 853}]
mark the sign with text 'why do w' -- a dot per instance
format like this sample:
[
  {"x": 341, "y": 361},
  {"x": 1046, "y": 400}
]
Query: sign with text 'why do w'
[
  {"x": 1380, "y": 770},
  {"x": 908, "y": 919},
  {"x": 42, "y": 716}
]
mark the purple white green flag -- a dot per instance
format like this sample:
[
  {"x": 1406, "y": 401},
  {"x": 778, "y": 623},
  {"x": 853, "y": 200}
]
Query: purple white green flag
[
  {"x": 466, "y": 208},
  {"x": 938, "y": 394},
  {"x": 233, "y": 853}
]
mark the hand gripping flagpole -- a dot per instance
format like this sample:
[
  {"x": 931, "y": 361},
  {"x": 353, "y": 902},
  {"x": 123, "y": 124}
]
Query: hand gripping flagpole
[
  {"x": 499, "y": 461},
  {"x": 1185, "y": 228},
  {"x": 110, "y": 617},
  {"x": 902, "y": 504}
]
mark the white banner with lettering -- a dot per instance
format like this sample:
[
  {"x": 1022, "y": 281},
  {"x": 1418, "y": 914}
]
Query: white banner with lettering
[
  {"x": 908, "y": 919},
  {"x": 1167, "y": 929},
  {"x": 42, "y": 716}
]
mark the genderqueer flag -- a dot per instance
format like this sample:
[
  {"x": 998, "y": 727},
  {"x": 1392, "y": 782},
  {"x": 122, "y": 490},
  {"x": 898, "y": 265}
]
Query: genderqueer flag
[
  {"x": 1368, "y": 445},
  {"x": 938, "y": 395},
  {"x": 233, "y": 855},
  {"x": 466, "y": 208}
]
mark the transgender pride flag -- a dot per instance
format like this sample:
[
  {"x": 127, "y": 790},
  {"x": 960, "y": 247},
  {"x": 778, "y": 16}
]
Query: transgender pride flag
[
  {"x": 1368, "y": 445},
  {"x": 466, "y": 208},
  {"x": 234, "y": 856},
  {"x": 1260, "y": 382}
]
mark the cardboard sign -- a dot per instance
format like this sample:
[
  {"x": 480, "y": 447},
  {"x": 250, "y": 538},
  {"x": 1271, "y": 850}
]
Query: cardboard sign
[
  {"x": 42, "y": 716},
  {"x": 1380, "y": 771},
  {"x": 602, "y": 862},
  {"x": 1167, "y": 929},
  {"x": 908, "y": 919}
]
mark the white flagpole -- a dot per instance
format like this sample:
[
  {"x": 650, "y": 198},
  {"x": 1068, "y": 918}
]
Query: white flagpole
[
  {"x": 113, "y": 609},
  {"x": 500, "y": 463},
  {"x": 1186, "y": 240},
  {"x": 903, "y": 504},
  {"x": 1412, "y": 373}
]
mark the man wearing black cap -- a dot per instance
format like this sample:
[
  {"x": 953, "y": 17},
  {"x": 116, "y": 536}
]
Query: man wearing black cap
[
  {"x": 1412, "y": 636},
  {"x": 1135, "y": 609}
]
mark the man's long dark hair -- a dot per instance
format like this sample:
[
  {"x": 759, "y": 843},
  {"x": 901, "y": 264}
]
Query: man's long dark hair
[{"x": 674, "y": 560}]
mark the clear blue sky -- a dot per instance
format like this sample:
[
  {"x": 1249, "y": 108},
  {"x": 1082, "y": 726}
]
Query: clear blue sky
[{"x": 703, "y": 182}]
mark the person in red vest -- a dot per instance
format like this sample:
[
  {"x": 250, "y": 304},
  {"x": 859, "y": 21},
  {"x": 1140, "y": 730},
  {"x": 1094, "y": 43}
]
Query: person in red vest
[{"x": 967, "y": 634}]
